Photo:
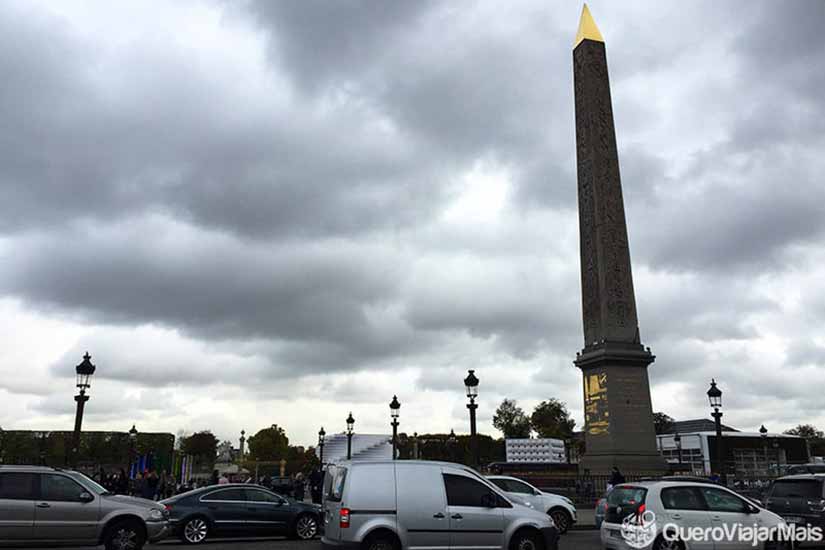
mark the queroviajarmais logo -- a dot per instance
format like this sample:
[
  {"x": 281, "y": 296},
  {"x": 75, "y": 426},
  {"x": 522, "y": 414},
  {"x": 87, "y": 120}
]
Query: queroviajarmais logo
[{"x": 639, "y": 528}]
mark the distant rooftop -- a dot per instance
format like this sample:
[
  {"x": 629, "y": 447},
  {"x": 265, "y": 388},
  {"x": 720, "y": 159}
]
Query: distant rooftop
[{"x": 698, "y": 425}]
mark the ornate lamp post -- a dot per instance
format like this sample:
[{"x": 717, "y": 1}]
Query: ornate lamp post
[
  {"x": 678, "y": 440},
  {"x": 395, "y": 407},
  {"x": 350, "y": 425},
  {"x": 451, "y": 441},
  {"x": 471, "y": 383},
  {"x": 321, "y": 436},
  {"x": 763, "y": 433},
  {"x": 715, "y": 398},
  {"x": 243, "y": 442},
  {"x": 84, "y": 372},
  {"x": 133, "y": 433}
]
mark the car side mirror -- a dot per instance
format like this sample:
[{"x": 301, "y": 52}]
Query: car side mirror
[
  {"x": 489, "y": 500},
  {"x": 85, "y": 497},
  {"x": 537, "y": 492},
  {"x": 752, "y": 509}
]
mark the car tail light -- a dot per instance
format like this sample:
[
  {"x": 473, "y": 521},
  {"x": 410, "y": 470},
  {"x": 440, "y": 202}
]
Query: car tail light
[
  {"x": 642, "y": 509},
  {"x": 817, "y": 505},
  {"x": 344, "y": 518}
]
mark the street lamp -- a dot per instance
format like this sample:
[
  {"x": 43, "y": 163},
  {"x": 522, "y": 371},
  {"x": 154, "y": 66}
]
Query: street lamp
[
  {"x": 84, "y": 372},
  {"x": 715, "y": 399},
  {"x": 395, "y": 407},
  {"x": 471, "y": 383},
  {"x": 243, "y": 442},
  {"x": 133, "y": 433},
  {"x": 678, "y": 440},
  {"x": 321, "y": 436},
  {"x": 350, "y": 425},
  {"x": 451, "y": 439},
  {"x": 763, "y": 433}
]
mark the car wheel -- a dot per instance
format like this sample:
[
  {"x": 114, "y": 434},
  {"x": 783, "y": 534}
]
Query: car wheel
[
  {"x": 664, "y": 544},
  {"x": 526, "y": 540},
  {"x": 195, "y": 530},
  {"x": 124, "y": 535},
  {"x": 562, "y": 519},
  {"x": 381, "y": 541},
  {"x": 306, "y": 527}
]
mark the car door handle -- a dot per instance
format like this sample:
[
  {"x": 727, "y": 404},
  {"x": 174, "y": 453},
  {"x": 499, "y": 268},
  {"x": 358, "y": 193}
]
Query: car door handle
[
  {"x": 43, "y": 505},
  {"x": 438, "y": 516},
  {"x": 456, "y": 516},
  {"x": 716, "y": 518},
  {"x": 676, "y": 516}
]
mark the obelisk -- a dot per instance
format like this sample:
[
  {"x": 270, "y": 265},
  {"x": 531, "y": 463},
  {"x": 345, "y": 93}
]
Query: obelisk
[{"x": 618, "y": 414}]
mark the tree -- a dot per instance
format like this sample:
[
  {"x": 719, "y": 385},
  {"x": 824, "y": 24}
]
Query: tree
[
  {"x": 551, "y": 419},
  {"x": 203, "y": 446},
  {"x": 806, "y": 431},
  {"x": 662, "y": 423},
  {"x": 511, "y": 420},
  {"x": 269, "y": 444}
]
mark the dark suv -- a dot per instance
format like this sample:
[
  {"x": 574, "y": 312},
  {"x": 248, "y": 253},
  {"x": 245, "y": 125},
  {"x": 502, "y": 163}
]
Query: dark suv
[{"x": 799, "y": 499}]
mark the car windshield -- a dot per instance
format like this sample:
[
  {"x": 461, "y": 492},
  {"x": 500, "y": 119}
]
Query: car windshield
[
  {"x": 800, "y": 488},
  {"x": 89, "y": 483}
]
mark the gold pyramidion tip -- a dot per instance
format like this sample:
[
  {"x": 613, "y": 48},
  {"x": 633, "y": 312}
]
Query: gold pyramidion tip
[{"x": 587, "y": 28}]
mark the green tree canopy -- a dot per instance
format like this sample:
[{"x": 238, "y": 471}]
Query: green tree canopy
[
  {"x": 269, "y": 444},
  {"x": 511, "y": 420},
  {"x": 551, "y": 419},
  {"x": 807, "y": 431},
  {"x": 201, "y": 445},
  {"x": 662, "y": 423}
]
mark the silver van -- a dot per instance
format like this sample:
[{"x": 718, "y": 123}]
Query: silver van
[
  {"x": 50, "y": 506},
  {"x": 418, "y": 505}
]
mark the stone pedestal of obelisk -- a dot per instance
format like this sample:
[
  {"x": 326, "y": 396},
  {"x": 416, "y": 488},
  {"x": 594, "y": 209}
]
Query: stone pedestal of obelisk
[{"x": 618, "y": 413}]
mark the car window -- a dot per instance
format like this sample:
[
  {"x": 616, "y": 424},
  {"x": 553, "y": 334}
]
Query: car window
[
  {"x": 799, "y": 488},
  {"x": 17, "y": 486},
  {"x": 719, "y": 500},
  {"x": 256, "y": 495},
  {"x": 57, "y": 487},
  {"x": 519, "y": 487},
  {"x": 500, "y": 483},
  {"x": 464, "y": 491},
  {"x": 625, "y": 495},
  {"x": 233, "y": 495},
  {"x": 682, "y": 498},
  {"x": 336, "y": 486}
]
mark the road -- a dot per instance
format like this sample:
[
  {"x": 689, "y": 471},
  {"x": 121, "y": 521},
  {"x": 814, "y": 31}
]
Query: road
[{"x": 573, "y": 540}]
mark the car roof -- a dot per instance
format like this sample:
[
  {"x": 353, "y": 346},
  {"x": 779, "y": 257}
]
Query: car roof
[
  {"x": 31, "y": 468},
  {"x": 819, "y": 476}
]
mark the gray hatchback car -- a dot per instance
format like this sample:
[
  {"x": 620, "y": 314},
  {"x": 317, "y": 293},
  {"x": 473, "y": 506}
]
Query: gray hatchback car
[{"x": 49, "y": 506}]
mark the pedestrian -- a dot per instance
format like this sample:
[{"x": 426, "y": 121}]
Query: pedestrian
[
  {"x": 616, "y": 477},
  {"x": 298, "y": 487},
  {"x": 223, "y": 480},
  {"x": 316, "y": 484}
]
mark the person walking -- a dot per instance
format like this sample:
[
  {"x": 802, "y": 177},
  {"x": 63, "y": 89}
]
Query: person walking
[
  {"x": 298, "y": 487},
  {"x": 616, "y": 477}
]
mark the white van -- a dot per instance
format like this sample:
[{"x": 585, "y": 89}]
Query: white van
[{"x": 422, "y": 505}]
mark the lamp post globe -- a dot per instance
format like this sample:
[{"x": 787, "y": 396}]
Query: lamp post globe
[
  {"x": 84, "y": 372},
  {"x": 715, "y": 400},
  {"x": 471, "y": 385},
  {"x": 350, "y": 428},
  {"x": 714, "y": 395},
  {"x": 395, "y": 408}
]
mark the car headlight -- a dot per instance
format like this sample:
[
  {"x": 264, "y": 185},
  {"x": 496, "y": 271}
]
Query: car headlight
[{"x": 156, "y": 514}]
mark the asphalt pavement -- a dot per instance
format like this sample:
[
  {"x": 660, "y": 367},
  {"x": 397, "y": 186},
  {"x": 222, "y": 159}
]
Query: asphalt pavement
[{"x": 573, "y": 540}]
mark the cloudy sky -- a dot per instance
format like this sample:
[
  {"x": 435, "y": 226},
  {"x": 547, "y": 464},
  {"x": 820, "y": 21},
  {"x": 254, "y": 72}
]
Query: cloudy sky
[{"x": 278, "y": 212}]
